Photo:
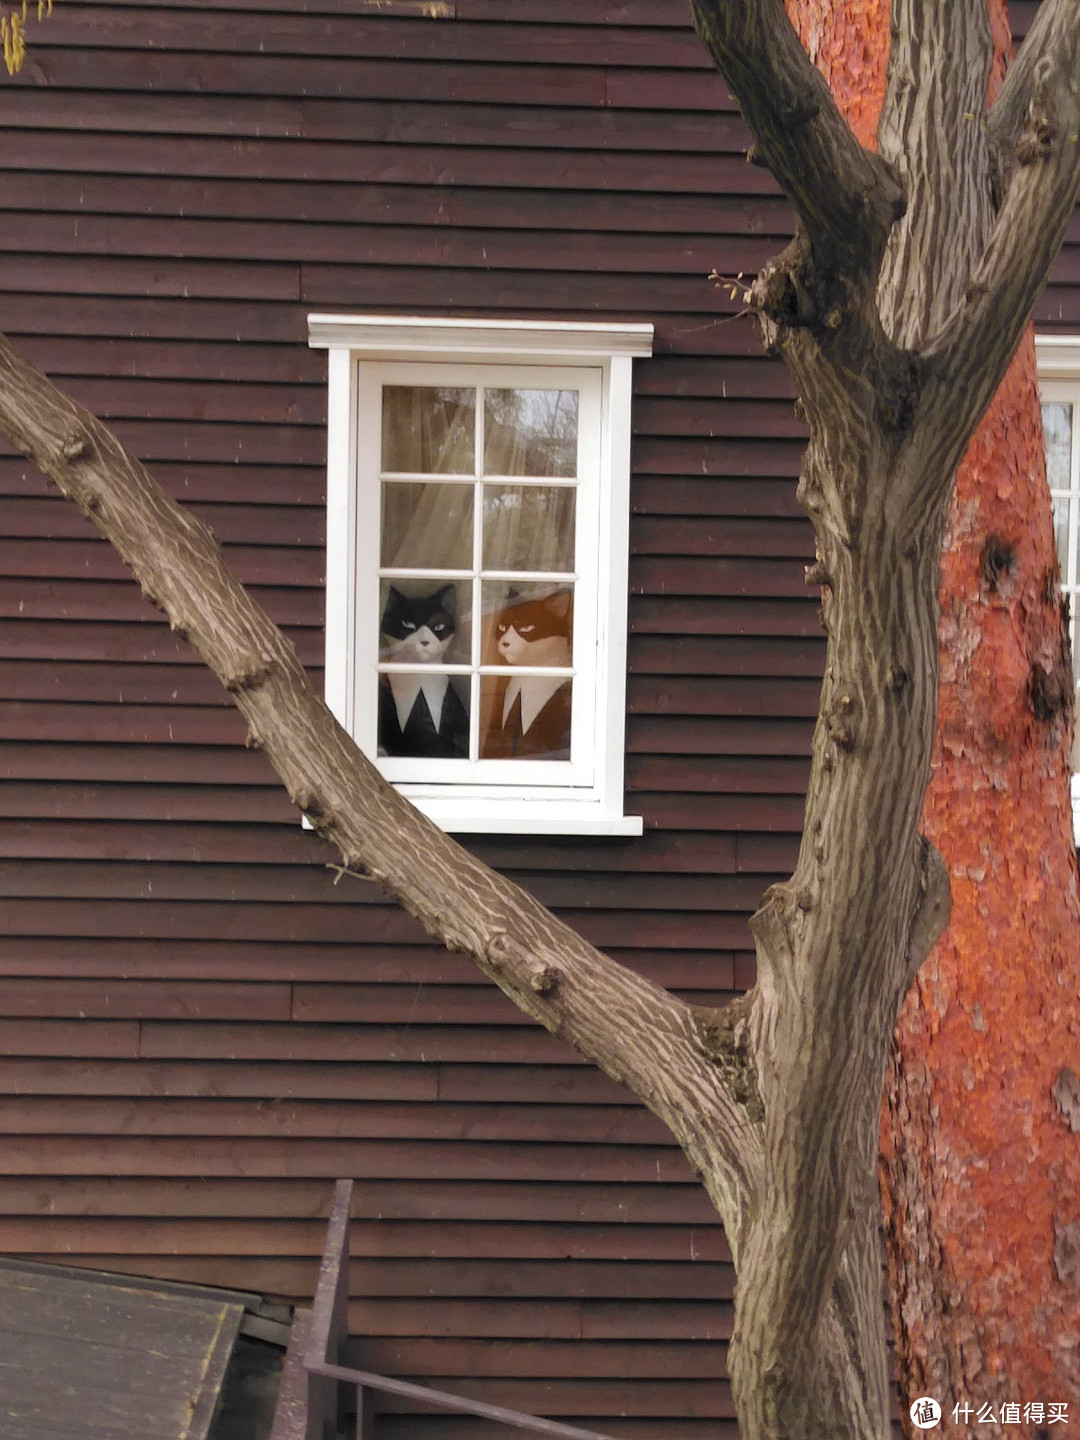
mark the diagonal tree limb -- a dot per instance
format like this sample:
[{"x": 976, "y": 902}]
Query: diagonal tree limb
[{"x": 683, "y": 1062}]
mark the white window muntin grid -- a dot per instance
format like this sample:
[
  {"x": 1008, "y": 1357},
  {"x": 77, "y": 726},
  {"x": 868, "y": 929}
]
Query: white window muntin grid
[{"x": 371, "y": 378}]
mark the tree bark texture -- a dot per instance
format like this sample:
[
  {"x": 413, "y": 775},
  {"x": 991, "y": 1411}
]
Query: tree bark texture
[
  {"x": 981, "y": 1175},
  {"x": 776, "y": 1099},
  {"x": 876, "y": 483}
]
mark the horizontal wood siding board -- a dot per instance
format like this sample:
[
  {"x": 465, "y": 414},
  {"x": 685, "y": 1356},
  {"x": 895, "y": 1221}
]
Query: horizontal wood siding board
[
  {"x": 353, "y": 244},
  {"x": 102, "y": 28},
  {"x": 482, "y": 1240},
  {"x": 601, "y": 1204},
  {"x": 661, "y": 852},
  {"x": 214, "y": 157},
  {"x": 348, "y": 200},
  {"x": 322, "y": 884},
  {"x": 568, "y": 128},
  {"x": 52, "y": 957},
  {"x": 169, "y": 1155}
]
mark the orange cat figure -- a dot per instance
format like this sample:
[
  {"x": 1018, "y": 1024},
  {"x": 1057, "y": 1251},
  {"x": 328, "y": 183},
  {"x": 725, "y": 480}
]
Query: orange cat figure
[{"x": 528, "y": 716}]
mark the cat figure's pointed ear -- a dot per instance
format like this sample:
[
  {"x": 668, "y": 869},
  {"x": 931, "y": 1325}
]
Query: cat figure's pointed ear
[
  {"x": 447, "y": 598},
  {"x": 559, "y": 603},
  {"x": 394, "y": 602}
]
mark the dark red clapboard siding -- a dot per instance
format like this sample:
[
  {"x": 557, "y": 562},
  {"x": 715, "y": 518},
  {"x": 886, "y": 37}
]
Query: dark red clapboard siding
[
  {"x": 567, "y": 128},
  {"x": 355, "y": 244},
  {"x": 651, "y": 1203},
  {"x": 522, "y": 1357},
  {"x": 349, "y": 201},
  {"x": 442, "y": 1240},
  {"x": 278, "y": 1156},
  {"x": 74, "y": 958},
  {"x": 319, "y": 885},
  {"x": 216, "y": 157},
  {"x": 106, "y": 27}
]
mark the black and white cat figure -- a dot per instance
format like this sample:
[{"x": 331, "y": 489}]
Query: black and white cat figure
[
  {"x": 530, "y": 717},
  {"x": 420, "y": 715}
]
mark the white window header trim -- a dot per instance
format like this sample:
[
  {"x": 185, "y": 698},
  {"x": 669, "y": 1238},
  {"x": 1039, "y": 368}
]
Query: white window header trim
[{"x": 388, "y": 335}]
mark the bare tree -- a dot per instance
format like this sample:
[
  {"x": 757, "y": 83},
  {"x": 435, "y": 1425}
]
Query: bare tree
[{"x": 775, "y": 1099}]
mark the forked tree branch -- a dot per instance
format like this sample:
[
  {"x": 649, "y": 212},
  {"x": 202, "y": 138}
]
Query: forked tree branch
[
  {"x": 683, "y": 1062},
  {"x": 846, "y": 197},
  {"x": 1037, "y": 116}
]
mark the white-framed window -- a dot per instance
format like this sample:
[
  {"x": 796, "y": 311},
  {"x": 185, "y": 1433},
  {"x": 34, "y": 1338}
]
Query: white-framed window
[
  {"x": 1059, "y": 388},
  {"x": 477, "y": 542}
]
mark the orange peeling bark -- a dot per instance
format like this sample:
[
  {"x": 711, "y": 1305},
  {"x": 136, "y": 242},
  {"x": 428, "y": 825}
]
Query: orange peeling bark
[
  {"x": 993, "y": 1019},
  {"x": 981, "y": 1165}
]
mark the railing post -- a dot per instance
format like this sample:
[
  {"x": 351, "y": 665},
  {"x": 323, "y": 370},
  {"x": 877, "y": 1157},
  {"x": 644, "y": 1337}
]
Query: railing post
[{"x": 329, "y": 1319}]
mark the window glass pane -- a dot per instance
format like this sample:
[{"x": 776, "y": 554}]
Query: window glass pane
[
  {"x": 1061, "y": 504},
  {"x": 425, "y": 622},
  {"x": 528, "y": 624},
  {"x": 530, "y": 432},
  {"x": 425, "y": 714},
  {"x": 1057, "y": 426},
  {"x": 427, "y": 527},
  {"x": 428, "y": 430},
  {"x": 528, "y": 527},
  {"x": 525, "y": 717}
]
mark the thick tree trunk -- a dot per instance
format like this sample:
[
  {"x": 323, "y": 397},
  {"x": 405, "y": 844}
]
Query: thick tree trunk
[
  {"x": 980, "y": 1306},
  {"x": 850, "y": 915}
]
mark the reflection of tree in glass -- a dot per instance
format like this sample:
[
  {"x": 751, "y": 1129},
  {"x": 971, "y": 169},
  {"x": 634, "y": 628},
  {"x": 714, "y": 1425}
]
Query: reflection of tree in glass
[
  {"x": 428, "y": 430},
  {"x": 530, "y": 432}
]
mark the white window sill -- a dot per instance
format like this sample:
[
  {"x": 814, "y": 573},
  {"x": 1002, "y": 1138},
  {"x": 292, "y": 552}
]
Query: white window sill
[{"x": 531, "y": 817}]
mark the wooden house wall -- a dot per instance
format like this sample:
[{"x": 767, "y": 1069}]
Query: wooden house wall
[{"x": 199, "y": 1027}]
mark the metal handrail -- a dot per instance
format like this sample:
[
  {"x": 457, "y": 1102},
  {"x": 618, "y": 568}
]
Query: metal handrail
[
  {"x": 328, "y": 1331},
  {"x": 365, "y": 1380}
]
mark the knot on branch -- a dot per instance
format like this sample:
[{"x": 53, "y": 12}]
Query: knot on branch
[
  {"x": 818, "y": 573},
  {"x": 802, "y": 109},
  {"x": 841, "y": 723},
  {"x": 507, "y": 957},
  {"x": 1037, "y": 137},
  {"x": 544, "y": 979},
  {"x": 779, "y": 294},
  {"x": 725, "y": 1041},
  {"x": 896, "y": 678},
  {"x": 76, "y": 447},
  {"x": 248, "y": 675}
]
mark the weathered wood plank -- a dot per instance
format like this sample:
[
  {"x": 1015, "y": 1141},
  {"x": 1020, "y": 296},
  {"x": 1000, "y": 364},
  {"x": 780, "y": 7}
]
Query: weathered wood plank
[{"x": 95, "y": 1355}]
